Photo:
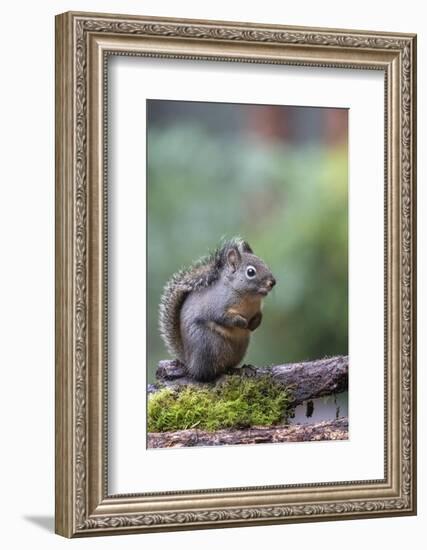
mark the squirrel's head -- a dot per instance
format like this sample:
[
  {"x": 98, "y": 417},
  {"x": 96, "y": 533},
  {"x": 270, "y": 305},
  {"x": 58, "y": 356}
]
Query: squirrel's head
[{"x": 244, "y": 271}]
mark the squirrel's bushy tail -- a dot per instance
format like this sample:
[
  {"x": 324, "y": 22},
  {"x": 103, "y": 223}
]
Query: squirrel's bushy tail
[
  {"x": 201, "y": 274},
  {"x": 176, "y": 290}
]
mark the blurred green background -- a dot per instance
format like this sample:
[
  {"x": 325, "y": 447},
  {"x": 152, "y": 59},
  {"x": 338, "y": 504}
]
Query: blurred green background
[{"x": 278, "y": 177}]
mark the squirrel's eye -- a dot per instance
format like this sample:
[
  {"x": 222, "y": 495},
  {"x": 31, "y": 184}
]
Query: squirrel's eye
[{"x": 250, "y": 272}]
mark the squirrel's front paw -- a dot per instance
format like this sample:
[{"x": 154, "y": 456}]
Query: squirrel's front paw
[
  {"x": 255, "y": 321},
  {"x": 240, "y": 322}
]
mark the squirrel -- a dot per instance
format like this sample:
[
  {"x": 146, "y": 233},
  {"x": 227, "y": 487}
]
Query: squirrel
[{"x": 208, "y": 310}]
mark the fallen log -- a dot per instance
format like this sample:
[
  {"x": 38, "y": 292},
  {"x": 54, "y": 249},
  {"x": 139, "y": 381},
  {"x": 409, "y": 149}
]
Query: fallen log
[
  {"x": 308, "y": 380},
  {"x": 328, "y": 430}
]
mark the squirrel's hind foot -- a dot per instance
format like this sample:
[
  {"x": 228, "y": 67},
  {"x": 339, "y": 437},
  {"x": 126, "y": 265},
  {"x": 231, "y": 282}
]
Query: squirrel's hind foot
[{"x": 245, "y": 370}]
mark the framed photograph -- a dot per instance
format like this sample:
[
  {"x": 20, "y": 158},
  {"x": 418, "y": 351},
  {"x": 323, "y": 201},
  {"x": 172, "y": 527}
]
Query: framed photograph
[{"x": 235, "y": 274}]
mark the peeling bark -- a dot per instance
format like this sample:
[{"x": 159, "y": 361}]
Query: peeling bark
[
  {"x": 329, "y": 430},
  {"x": 307, "y": 380}
]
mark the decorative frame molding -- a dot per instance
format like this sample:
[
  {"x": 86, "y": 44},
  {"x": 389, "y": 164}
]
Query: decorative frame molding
[{"x": 83, "y": 43}]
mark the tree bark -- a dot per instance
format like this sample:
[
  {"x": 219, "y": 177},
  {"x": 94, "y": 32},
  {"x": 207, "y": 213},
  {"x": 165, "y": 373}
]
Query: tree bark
[
  {"x": 329, "y": 430},
  {"x": 306, "y": 380}
]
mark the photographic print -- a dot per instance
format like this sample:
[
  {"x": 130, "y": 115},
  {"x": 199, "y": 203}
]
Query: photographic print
[
  {"x": 247, "y": 273},
  {"x": 235, "y": 274}
]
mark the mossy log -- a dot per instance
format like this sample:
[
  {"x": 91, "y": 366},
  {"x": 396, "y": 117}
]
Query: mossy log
[
  {"x": 328, "y": 430},
  {"x": 307, "y": 380}
]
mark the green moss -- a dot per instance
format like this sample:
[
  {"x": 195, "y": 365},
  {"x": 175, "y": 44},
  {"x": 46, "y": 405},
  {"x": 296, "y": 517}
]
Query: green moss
[{"x": 237, "y": 403}]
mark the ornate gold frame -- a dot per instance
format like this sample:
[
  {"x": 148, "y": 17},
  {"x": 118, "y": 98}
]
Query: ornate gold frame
[{"x": 83, "y": 42}]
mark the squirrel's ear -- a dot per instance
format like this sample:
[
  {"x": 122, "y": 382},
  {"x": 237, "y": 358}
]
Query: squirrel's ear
[{"x": 233, "y": 258}]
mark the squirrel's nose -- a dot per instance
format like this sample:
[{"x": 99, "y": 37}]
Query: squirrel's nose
[{"x": 271, "y": 282}]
